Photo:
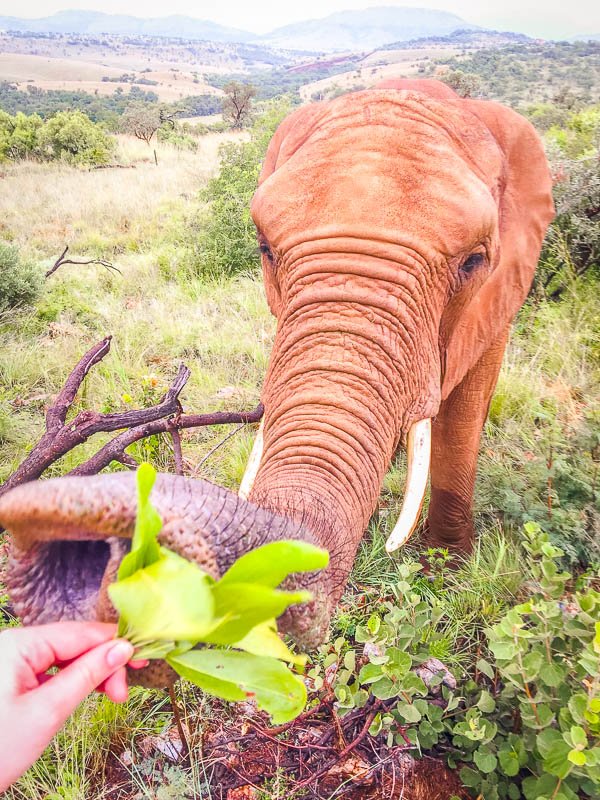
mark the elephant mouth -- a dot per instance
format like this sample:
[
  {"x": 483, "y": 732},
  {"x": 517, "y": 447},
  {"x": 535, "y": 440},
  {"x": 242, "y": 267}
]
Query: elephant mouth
[
  {"x": 69, "y": 535},
  {"x": 64, "y": 579}
]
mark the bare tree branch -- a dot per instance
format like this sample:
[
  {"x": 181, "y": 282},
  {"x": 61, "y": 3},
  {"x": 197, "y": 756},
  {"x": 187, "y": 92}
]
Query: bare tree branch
[
  {"x": 62, "y": 260},
  {"x": 61, "y": 436}
]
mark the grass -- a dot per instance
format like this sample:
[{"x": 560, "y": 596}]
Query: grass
[{"x": 160, "y": 315}]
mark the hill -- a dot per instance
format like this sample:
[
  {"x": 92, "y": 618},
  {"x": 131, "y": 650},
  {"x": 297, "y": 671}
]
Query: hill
[
  {"x": 366, "y": 29},
  {"x": 98, "y": 22}
]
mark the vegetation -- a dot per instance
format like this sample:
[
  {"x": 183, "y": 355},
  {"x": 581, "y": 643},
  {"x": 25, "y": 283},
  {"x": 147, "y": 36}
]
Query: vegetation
[
  {"x": 224, "y": 237},
  {"x": 21, "y": 279},
  {"x": 68, "y": 135},
  {"x": 520, "y": 74},
  {"x": 524, "y": 719},
  {"x": 237, "y": 104}
]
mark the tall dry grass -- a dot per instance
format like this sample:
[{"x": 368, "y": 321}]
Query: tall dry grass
[{"x": 45, "y": 206}]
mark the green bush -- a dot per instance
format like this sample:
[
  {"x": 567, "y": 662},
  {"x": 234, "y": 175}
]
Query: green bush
[
  {"x": 523, "y": 720},
  {"x": 20, "y": 281},
  {"x": 226, "y": 243},
  {"x": 177, "y": 138},
  {"x": 73, "y": 137},
  {"x": 19, "y": 135},
  {"x": 68, "y": 135}
]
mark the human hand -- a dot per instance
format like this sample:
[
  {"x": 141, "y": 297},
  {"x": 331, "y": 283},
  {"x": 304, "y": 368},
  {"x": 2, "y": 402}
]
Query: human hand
[{"x": 36, "y": 705}]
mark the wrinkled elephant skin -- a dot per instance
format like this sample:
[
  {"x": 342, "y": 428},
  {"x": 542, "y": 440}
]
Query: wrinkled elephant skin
[{"x": 400, "y": 229}]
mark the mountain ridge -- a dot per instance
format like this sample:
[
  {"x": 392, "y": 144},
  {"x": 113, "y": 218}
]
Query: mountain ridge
[{"x": 364, "y": 29}]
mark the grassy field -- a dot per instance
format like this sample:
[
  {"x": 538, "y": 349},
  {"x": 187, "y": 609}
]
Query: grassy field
[
  {"x": 69, "y": 74},
  {"x": 538, "y": 455}
]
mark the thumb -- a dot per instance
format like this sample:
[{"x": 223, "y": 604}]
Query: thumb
[{"x": 61, "y": 695}]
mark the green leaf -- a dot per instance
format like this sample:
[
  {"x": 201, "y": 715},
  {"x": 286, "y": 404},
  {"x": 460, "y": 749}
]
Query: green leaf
[
  {"x": 263, "y": 640},
  {"x": 145, "y": 549},
  {"x": 578, "y": 737},
  {"x": 557, "y": 760},
  {"x": 552, "y": 674},
  {"x": 485, "y": 667},
  {"x": 171, "y": 600},
  {"x": 577, "y": 757},
  {"x": 532, "y": 663},
  {"x": 485, "y": 761},
  {"x": 398, "y": 662},
  {"x": 408, "y": 712},
  {"x": 486, "y": 702},
  {"x": 242, "y": 606},
  {"x": 370, "y": 673},
  {"x": 384, "y": 688},
  {"x": 470, "y": 778},
  {"x": 509, "y": 762},
  {"x": 270, "y": 564},
  {"x": 276, "y": 690}
]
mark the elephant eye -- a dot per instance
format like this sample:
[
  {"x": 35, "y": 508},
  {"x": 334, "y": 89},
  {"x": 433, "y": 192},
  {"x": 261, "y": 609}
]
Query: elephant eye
[
  {"x": 472, "y": 262},
  {"x": 265, "y": 249}
]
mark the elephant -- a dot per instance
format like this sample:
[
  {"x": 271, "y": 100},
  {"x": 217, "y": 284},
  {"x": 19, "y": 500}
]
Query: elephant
[{"x": 399, "y": 230}]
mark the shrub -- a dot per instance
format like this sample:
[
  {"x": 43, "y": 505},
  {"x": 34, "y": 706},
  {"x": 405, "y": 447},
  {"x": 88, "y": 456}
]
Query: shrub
[
  {"x": 177, "y": 138},
  {"x": 572, "y": 245},
  {"x": 19, "y": 135},
  {"x": 20, "y": 281},
  {"x": 523, "y": 721},
  {"x": 72, "y": 136},
  {"x": 226, "y": 244}
]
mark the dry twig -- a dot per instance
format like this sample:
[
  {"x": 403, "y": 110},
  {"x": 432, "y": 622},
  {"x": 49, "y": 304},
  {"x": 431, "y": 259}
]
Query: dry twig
[{"x": 62, "y": 260}]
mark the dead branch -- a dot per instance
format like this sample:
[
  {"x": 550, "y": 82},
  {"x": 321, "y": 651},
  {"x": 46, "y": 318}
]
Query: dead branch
[
  {"x": 114, "y": 450},
  {"x": 62, "y": 260},
  {"x": 61, "y": 436}
]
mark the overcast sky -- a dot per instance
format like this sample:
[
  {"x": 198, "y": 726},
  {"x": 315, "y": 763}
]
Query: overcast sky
[{"x": 548, "y": 18}]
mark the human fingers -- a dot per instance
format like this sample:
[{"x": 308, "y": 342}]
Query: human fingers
[
  {"x": 63, "y": 692},
  {"x": 115, "y": 686},
  {"x": 41, "y": 646}
]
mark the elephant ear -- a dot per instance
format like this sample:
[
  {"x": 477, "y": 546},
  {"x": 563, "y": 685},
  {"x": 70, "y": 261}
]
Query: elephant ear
[{"x": 525, "y": 211}]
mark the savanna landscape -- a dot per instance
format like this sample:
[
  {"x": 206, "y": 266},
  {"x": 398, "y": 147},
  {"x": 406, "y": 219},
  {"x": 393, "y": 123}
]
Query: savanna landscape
[{"x": 477, "y": 677}]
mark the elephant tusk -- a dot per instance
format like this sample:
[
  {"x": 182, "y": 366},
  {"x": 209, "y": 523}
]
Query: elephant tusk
[
  {"x": 253, "y": 463},
  {"x": 418, "y": 453}
]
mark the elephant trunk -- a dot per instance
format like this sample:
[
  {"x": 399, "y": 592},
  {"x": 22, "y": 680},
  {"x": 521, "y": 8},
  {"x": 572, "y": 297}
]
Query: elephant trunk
[{"x": 346, "y": 383}]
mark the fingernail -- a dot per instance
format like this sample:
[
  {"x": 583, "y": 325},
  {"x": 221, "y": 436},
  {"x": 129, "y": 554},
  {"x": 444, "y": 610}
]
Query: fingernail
[{"x": 119, "y": 654}]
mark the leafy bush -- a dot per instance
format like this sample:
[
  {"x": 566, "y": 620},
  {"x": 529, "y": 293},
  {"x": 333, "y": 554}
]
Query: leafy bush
[
  {"x": 177, "y": 138},
  {"x": 572, "y": 246},
  {"x": 524, "y": 720},
  {"x": 20, "y": 281},
  {"x": 72, "y": 136},
  {"x": 19, "y": 135},
  {"x": 226, "y": 244}
]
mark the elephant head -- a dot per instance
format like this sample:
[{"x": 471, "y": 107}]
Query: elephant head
[{"x": 399, "y": 229}]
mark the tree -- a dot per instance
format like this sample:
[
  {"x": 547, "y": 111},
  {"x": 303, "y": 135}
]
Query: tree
[
  {"x": 465, "y": 84},
  {"x": 142, "y": 121},
  {"x": 237, "y": 103}
]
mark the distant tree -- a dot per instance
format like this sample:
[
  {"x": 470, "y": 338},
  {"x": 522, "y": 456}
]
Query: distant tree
[
  {"x": 142, "y": 121},
  {"x": 465, "y": 84},
  {"x": 237, "y": 103}
]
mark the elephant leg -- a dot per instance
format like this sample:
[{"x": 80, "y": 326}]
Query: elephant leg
[{"x": 456, "y": 435}]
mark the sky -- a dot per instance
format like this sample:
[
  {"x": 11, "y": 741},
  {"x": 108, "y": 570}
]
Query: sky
[{"x": 545, "y": 18}]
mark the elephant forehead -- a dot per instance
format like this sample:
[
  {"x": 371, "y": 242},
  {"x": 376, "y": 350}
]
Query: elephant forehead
[{"x": 384, "y": 166}]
